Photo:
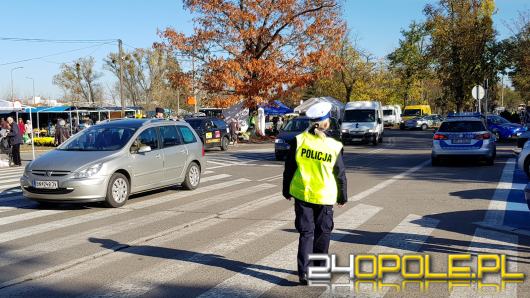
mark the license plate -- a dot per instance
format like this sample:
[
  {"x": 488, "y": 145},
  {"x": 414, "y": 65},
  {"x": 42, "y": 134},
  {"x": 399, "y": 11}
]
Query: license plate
[
  {"x": 356, "y": 139},
  {"x": 208, "y": 135},
  {"x": 461, "y": 141},
  {"x": 46, "y": 184}
]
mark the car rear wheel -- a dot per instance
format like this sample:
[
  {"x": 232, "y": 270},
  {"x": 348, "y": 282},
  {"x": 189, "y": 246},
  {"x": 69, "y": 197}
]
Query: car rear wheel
[
  {"x": 435, "y": 161},
  {"x": 193, "y": 177},
  {"x": 224, "y": 143},
  {"x": 424, "y": 127},
  {"x": 117, "y": 191}
]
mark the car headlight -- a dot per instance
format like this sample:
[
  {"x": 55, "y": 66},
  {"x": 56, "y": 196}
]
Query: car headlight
[
  {"x": 88, "y": 172},
  {"x": 345, "y": 131},
  {"x": 279, "y": 141},
  {"x": 371, "y": 130}
]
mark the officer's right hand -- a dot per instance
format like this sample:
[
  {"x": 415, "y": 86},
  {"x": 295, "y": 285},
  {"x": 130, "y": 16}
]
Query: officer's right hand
[{"x": 288, "y": 198}]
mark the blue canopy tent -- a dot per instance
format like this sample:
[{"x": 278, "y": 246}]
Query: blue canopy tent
[{"x": 276, "y": 108}]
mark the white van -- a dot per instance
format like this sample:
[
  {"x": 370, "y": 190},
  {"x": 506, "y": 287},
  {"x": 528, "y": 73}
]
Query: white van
[
  {"x": 362, "y": 122},
  {"x": 391, "y": 115}
]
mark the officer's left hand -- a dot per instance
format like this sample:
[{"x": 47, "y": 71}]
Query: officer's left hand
[{"x": 288, "y": 198}]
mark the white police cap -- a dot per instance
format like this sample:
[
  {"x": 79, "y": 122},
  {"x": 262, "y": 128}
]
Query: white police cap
[{"x": 319, "y": 111}]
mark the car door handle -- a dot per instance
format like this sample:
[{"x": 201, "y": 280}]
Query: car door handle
[{"x": 158, "y": 156}]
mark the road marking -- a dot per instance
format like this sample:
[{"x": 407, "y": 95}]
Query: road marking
[
  {"x": 497, "y": 206},
  {"x": 387, "y": 182},
  {"x": 492, "y": 242},
  {"x": 147, "y": 280},
  {"x": 216, "y": 177},
  {"x": 28, "y": 215},
  {"x": 255, "y": 281},
  {"x": 208, "y": 172},
  {"x": 271, "y": 177},
  {"x": 9, "y": 257},
  {"x": 408, "y": 236},
  {"x": 223, "y": 197},
  {"x": 80, "y": 266},
  {"x": 10, "y": 181},
  {"x": 6, "y": 187},
  {"x": 67, "y": 222}
]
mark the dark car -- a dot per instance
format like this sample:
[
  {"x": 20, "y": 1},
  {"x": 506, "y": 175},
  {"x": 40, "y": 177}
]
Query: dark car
[
  {"x": 213, "y": 131},
  {"x": 296, "y": 126}
]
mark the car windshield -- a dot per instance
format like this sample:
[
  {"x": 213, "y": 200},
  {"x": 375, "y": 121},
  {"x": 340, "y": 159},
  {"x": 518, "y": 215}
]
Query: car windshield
[
  {"x": 499, "y": 120},
  {"x": 296, "y": 125},
  {"x": 99, "y": 138},
  {"x": 412, "y": 112},
  {"x": 195, "y": 123},
  {"x": 388, "y": 112},
  {"x": 359, "y": 116},
  {"x": 462, "y": 126}
]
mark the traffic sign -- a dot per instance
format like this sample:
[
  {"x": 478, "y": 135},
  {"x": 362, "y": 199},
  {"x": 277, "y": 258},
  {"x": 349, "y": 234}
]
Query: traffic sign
[{"x": 478, "y": 92}]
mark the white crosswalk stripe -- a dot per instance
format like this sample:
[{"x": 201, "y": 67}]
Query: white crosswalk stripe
[{"x": 9, "y": 181}]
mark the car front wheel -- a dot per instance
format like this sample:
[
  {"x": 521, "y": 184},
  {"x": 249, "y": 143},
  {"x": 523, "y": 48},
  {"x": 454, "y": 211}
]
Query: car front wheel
[{"x": 117, "y": 191}]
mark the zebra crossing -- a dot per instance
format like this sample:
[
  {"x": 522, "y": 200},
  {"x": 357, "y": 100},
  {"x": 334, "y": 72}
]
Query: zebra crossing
[
  {"x": 9, "y": 181},
  {"x": 116, "y": 241}
]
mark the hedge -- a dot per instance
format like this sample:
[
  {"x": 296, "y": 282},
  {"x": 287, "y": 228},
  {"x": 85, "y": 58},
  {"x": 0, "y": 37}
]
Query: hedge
[{"x": 44, "y": 141}]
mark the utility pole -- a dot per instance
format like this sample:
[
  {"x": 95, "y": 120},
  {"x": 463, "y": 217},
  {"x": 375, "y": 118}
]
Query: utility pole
[
  {"x": 502, "y": 90},
  {"x": 13, "y": 69},
  {"x": 33, "y": 80},
  {"x": 120, "y": 58},
  {"x": 193, "y": 81}
]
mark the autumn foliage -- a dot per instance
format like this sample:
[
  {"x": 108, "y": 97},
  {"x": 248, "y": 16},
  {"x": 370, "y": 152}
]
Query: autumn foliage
[{"x": 258, "y": 50}]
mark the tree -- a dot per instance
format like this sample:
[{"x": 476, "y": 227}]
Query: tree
[
  {"x": 462, "y": 35},
  {"x": 517, "y": 57},
  {"x": 149, "y": 77},
  {"x": 409, "y": 61},
  {"x": 257, "y": 50},
  {"x": 79, "y": 81}
]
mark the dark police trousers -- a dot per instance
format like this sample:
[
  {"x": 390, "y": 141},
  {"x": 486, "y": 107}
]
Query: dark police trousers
[{"x": 314, "y": 223}]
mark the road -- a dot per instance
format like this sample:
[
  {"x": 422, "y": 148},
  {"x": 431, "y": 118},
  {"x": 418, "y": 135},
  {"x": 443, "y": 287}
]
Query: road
[{"x": 234, "y": 236}]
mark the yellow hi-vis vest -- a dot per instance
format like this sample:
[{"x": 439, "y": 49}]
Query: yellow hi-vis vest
[{"x": 313, "y": 181}]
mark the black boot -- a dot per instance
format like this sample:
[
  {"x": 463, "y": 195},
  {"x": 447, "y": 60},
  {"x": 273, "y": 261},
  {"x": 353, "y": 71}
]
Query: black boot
[{"x": 303, "y": 280}]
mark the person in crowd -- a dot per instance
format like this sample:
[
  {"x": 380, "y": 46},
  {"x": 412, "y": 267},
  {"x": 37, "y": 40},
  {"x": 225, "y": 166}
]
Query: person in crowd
[
  {"x": 234, "y": 130},
  {"x": 15, "y": 141},
  {"x": 3, "y": 124},
  {"x": 21, "y": 126},
  {"x": 279, "y": 124},
  {"x": 159, "y": 113},
  {"x": 61, "y": 132},
  {"x": 28, "y": 128}
]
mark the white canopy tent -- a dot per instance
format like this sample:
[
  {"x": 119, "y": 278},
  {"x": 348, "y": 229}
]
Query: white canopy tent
[
  {"x": 336, "y": 111},
  {"x": 10, "y": 107}
]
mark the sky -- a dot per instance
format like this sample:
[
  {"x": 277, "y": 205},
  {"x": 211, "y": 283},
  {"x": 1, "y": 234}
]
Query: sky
[{"x": 374, "y": 24}]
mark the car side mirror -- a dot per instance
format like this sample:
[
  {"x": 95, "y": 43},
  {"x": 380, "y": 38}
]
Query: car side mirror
[{"x": 144, "y": 149}]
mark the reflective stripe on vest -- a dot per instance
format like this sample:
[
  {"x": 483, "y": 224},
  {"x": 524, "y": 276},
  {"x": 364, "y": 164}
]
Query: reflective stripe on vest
[{"x": 313, "y": 181}]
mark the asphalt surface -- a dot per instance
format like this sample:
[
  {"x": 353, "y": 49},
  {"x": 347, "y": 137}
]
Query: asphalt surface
[{"x": 234, "y": 235}]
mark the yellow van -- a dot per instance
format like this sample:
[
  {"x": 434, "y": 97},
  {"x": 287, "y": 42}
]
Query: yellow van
[{"x": 414, "y": 111}]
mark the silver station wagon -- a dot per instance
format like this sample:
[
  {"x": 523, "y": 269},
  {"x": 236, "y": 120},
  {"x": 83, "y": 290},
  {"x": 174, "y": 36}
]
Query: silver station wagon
[{"x": 109, "y": 161}]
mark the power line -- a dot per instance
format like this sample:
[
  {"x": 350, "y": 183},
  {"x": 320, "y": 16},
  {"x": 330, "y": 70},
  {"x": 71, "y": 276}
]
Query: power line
[
  {"x": 44, "y": 40},
  {"x": 55, "y": 54}
]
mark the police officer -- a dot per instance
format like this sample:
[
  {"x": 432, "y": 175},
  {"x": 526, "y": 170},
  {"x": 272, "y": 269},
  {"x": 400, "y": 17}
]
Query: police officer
[{"x": 315, "y": 177}]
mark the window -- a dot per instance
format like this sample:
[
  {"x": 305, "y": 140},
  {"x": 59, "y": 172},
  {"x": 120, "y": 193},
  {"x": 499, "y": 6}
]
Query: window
[
  {"x": 195, "y": 123},
  {"x": 99, "y": 138},
  {"x": 412, "y": 112},
  {"x": 359, "y": 116},
  {"x": 462, "y": 126},
  {"x": 187, "y": 135},
  {"x": 219, "y": 124},
  {"x": 388, "y": 112},
  {"x": 297, "y": 125},
  {"x": 147, "y": 138},
  {"x": 169, "y": 136}
]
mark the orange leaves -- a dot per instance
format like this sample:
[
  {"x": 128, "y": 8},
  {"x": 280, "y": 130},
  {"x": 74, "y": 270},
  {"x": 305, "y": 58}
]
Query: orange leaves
[{"x": 257, "y": 50}]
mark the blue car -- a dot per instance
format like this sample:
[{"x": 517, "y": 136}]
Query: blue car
[{"x": 502, "y": 128}]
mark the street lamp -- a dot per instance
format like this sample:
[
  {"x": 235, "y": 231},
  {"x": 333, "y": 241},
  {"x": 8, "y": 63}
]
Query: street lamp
[
  {"x": 33, "y": 80},
  {"x": 13, "y": 69}
]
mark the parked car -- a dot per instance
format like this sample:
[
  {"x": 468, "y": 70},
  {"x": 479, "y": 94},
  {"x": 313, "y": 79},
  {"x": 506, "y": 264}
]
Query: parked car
[
  {"x": 425, "y": 122},
  {"x": 296, "y": 126},
  {"x": 463, "y": 137},
  {"x": 109, "y": 161},
  {"x": 414, "y": 111},
  {"x": 504, "y": 129},
  {"x": 213, "y": 132}
]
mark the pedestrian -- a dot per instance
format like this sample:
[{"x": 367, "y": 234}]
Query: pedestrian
[
  {"x": 21, "y": 126},
  {"x": 234, "y": 130},
  {"x": 315, "y": 177},
  {"x": 61, "y": 132},
  {"x": 279, "y": 124},
  {"x": 15, "y": 141},
  {"x": 28, "y": 128},
  {"x": 159, "y": 113},
  {"x": 3, "y": 124}
]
